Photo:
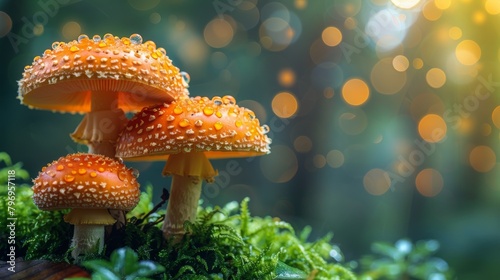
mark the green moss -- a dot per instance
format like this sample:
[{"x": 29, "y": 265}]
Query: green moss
[
  {"x": 228, "y": 243},
  {"x": 224, "y": 243}
]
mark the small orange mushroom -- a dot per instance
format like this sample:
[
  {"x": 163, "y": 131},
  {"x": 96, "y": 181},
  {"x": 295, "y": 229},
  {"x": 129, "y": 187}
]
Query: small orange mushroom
[
  {"x": 188, "y": 132},
  {"x": 102, "y": 77},
  {"x": 90, "y": 185}
]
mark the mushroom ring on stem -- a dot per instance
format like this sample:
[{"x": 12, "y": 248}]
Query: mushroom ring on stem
[
  {"x": 187, "y": 133},
  {"x": 90, "y": 185},
  {"x": 103, "y": 78}
]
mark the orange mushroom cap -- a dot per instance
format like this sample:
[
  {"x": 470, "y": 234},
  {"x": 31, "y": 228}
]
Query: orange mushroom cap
[
  {"x": 86, "y": 181},
  {"x": 218, "y": 127},
  {"x": 63, "y": 77}
]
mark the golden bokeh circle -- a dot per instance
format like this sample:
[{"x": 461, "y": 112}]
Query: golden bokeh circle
[
  {"x": 482, "y": 158},
  {"x": 376, "y": 181},
  {"x": 429, "y": 182},
  {"x": 432, "y": 128},
  {"x": 355, "y": 92}
]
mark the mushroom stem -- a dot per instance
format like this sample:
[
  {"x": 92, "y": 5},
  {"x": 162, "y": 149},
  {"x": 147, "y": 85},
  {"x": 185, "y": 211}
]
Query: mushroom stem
[
  {"x": 88, "y": 235},
  {"x": 87, "y": 239},
  {"x": 182, "y": 204},
  {"x": 101, "y": 126},
  {"x": 188, "y": 171}
]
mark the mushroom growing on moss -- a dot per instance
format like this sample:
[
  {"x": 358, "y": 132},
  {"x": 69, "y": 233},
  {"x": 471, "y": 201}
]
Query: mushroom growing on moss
[
  {"x": 102, "y": 77},
  {"x": 187, "y": 133},
  {"x": 90, "y": 185}
]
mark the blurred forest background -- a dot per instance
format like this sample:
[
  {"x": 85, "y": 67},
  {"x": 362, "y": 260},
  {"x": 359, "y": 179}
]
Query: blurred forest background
[{"x": 384, "y": 114}]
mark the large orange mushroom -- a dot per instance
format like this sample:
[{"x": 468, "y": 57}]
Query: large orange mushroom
[
  {"x": 103, "y": 78},
  {"x": 90, "y": 185},
  {"x": 187, "y": 133}
]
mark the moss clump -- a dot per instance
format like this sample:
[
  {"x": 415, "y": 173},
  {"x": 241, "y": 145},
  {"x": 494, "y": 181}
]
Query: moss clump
[
  {"x": 224, "y": 243},
  {"x": 227, "y": 243}
]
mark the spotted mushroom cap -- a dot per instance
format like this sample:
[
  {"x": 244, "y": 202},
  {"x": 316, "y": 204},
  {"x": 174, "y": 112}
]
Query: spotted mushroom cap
[
  {"x": 86, "y": 181},
  {"x": 63, "y": 78},
  {"x": 216, "y": 126}
]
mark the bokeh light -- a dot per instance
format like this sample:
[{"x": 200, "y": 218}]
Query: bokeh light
[
  {"x": 300, "y": 4},
  {"x": 319, "y": 161},
  {"x": 429, "y": 182},
  {"x": 190, "y": 47},
  {"x": 284, "y": 105},
  {"x": 478, "y": 17},
  {"x": 435, "y": 77},
  {"x": 405, "y": 4},
  {"x": 418, "y": 63},
  {"x": 442, "y": 4},
  {"x": 495, "y": 116},
  {"x": 468, "y": 52},
  {"x": 486, "y": 129},
  {"x": 400, "y": 63},
  {"x": 331, "y": 36},
  {"x": 455, "y": 33},
  {"x": 5, "y": 24},
  {"x": 218, "y": 33},
  {"x": 71, "y": 30},
  {"x": 38, "y": 29},
  {"x": 335, "y": 158},
  {"x": 376, "y": 181},
  {"x": 431, "y": 12},
  {"x": 492, "y": 7},
  {"x": 154, "y": 18},
  {"x": 302, "y": 144},
  {"x": 465, "y": 126},
  {"x": 275, "y": 34},
  {"x": 355, "y": 92},
  {"x": 387, "y": 28},
  {"x": 286, "y": 77},
  {"x": 432, "y": 128},
  {"x": 482, "y": 158},
  {"x": 280, "y": 27},
  {"x": 328, "y": 92},
  {"x": 347, "y": 8},
  {"x": 247, "y": 13},
  {"x": 350, "y": 23}
]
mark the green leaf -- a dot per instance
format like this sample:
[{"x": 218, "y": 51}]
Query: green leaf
[
  {"x": 148, "y": 268},
  {"x": 103, "y": 274},
  {"x": 245, "y": 217},
  {"x": 184, "y": 270},
  {"x": 304, "y": 234},
  {"x": 284, "y": 271},
  {"x": 124, "y": 261},
  {"x": 5, "y": 158}
]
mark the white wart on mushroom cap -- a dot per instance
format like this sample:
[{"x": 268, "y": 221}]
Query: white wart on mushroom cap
[
  {"x": 63, "y": 78},
  {"x": 86, "y": 181},
  {"x": 218, "y": 127}
]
